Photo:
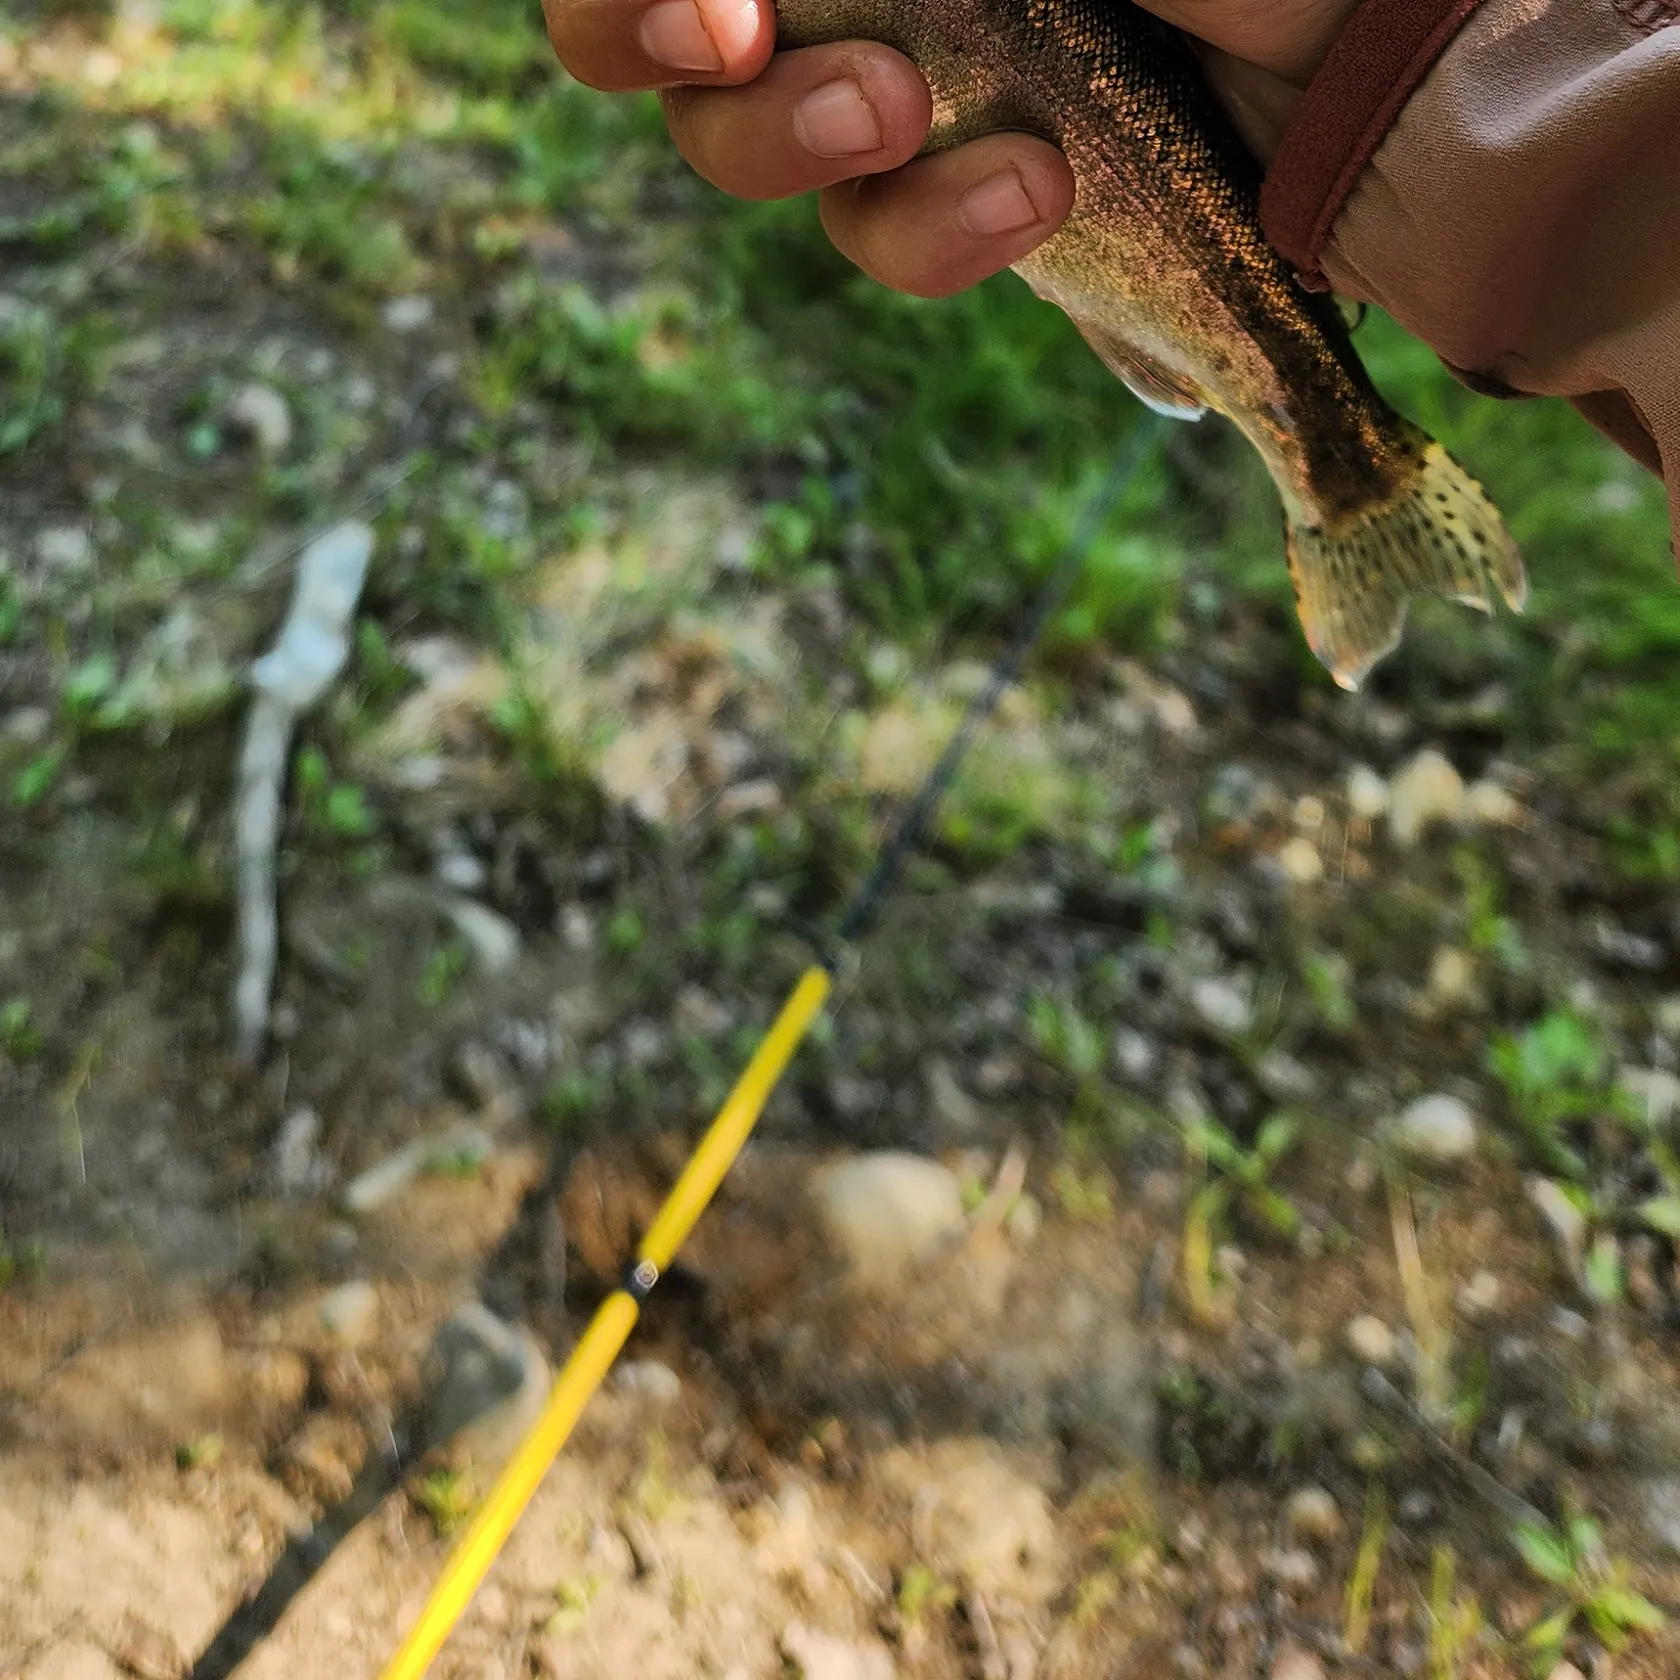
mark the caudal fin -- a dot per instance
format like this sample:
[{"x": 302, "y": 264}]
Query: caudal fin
[{"x": 1439, "y": 536}]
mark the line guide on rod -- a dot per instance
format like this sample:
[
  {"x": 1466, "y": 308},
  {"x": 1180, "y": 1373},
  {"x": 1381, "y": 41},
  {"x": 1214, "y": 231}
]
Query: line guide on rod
[{"x": 600, "y": 1344}]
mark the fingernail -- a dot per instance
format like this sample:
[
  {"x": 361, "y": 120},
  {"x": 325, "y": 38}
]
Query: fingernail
[
  {"x": 835, "y": 121},
  {"x": 998, "y": 205},
  {"x": 673, "y": 34}
]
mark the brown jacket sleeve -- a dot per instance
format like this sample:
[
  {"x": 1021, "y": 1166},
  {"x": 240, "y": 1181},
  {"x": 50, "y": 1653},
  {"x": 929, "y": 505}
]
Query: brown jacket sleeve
[{"x": 1504, "y": 179}]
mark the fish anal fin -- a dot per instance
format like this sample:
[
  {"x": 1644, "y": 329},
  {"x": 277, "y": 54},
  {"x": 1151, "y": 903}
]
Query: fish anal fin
[
  {"x": 1153, "y": 385},
  {"x": 1438, "y": 535}
]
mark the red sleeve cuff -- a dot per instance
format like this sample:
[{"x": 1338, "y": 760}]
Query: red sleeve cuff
[{"x": 1386, "y": 50}]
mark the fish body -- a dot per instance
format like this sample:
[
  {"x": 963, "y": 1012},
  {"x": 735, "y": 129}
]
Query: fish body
[{"x": 1163, "y": 266}]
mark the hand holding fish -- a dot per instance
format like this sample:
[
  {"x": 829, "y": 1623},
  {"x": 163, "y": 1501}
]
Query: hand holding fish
[{"x": 848, "y": 120}]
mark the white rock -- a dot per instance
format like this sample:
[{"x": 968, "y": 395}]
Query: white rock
[
  {"x": 349, "y": 1313},
  {"x": 888, "y": 1211},
  {"x": 1452, "y": 976},
  {"x": 649, "y": 1379},
  {"x": 1426, "y": 791},
  {"x": 1438, "y": 1129},
  {"x": 1135, "y": 1056},
  {"x": 984, "y": 1524},
  {"x": 264, "y": 416},
  {"x": 1291, "y": 1567},
  {"x": 1223, "y": 1005},
  {"x": 1285, "y": 1079},
  {"x": 757, "y": 798},
  {"x": 1371, "y": 1340},
  {"x": 1312, "y": 1514},
  {"x": 494, "y": 940},
  {"x": 1661, "y": 1499},
  {"x": 1300, "y": 861},
  {"x": 1656, "y": 1090},
  {"x": 956, "y": 1110},
  {"x": 1566, "y": 1221},
  {"x": 1367, "y": 793},
  {"x": 1480, "y": 1296},
  {"x": 1665, "y": 1016},
  {"x": 1489, "y": 803},
  {"x": 1296, "y": 1664},
  {"x": 408, "y": 314},
  {"x": 820, "y": 1656},
  {"x": 28, "y": 726},
  {"x": 64, "y": 548},
  {"x": 1024, "y": 1221}
]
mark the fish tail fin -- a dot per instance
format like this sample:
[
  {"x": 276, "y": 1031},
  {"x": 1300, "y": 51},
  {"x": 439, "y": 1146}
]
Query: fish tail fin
[{"x": 1437, "y": 535}]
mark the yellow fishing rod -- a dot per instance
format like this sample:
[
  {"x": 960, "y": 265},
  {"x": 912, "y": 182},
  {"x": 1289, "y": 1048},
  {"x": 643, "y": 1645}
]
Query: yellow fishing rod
[{"x": 600, "y": 1344}]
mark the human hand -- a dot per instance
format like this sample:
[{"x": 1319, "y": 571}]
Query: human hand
[{"x": 848, "y": 119}]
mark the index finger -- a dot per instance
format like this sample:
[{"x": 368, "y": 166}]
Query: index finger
[{"x": 623, "y": 46}]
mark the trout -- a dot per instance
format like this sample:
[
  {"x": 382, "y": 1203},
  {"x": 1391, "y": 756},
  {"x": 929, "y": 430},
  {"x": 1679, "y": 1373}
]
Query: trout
[{"x": 1163, "y": 267}]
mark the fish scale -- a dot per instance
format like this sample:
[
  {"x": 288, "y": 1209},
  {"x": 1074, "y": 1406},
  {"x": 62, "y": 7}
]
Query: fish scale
[{"x": 1164, "y": 268}]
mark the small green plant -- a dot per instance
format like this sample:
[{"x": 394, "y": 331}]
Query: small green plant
[
  {"x": 572, "y": 1099},
  {"x": 1065, "y": 1037},
  {"x": 338, "y": 809},
  {"x": 574, "y": 1599},
  {"x": 446, "y": 1497},
  {"x": 19, "y": 1262},
  {"x": 625, "y": 932},
  {"x": 38, "y": 777},
  {"x": 202, "y": 1453},
  {"x": 18, "y": 1037},
  {"x": 1488, "y": 928},
  {"x": 1555, "y": 1072},
  {"x": 1327, "y": 981},
  {"x": 1572, "y": 1558},
  {"x": 1455, "y": 1619},
  {"x": 1245, "y": 1174},
  {"x": 920, "y": 1591},
  {"x": 1084, "y": 1193},
  {"x": 443, "y": 968}
]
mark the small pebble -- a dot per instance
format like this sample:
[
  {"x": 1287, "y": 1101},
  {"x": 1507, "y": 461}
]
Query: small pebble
[
  {"x": 1292, "y": 1568},
  {"x": 408, "y": 314},
  {"x": 1296, "y": 1664},
  {"x": 1489, "y": 803},
  {"x": 492, "y": 938},
  {"x": 649, "y": 1379},
  {"x": 349, "y": 1313},
  {"x": 1480, "y": 1296},
  {"x": 1023, "y": 1221},
  {"x": 1371, "y": 1340},
  {"x": 1428, "y": 790},
  {"x": 887, "y": 1212},
  {"x": 820, "y": 1656},
  {"x": 1223, "y": 1005},
  {"x": 1437, "y": 1129},
  {"x": 954, "y": 1108},
  {"x": 1452, "y": 976},
  {"x": 1665, "y": 1017},
  {"x": 1367, "y": 793},
  {"x": 64, "y": 548},
  {"x": 1284, "y": 1079},
  {"x": 263, "y": 415},
  {"x": 1566, "y": 1221},
  {"x": 1135, "y": 1056},
  {"x": 1312, "y": 1514},
  {"x": 1300, "y": 861}
]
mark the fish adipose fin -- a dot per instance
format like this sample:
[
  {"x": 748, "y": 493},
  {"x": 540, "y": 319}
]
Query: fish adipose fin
[
  {"x": 1153, "y": 385},
  {"x": 1439, "y": 536}
]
